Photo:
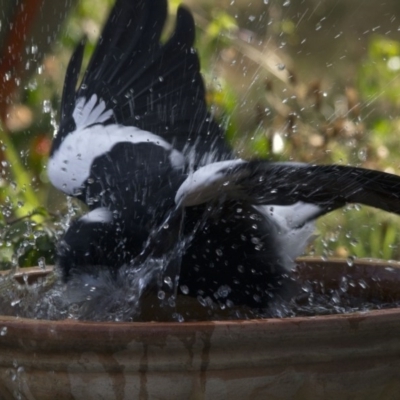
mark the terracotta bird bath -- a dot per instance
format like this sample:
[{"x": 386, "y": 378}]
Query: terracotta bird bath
[{"x": 352, "y": 356}]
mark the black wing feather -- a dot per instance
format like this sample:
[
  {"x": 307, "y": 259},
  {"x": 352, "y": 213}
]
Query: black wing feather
[
  {"x": 71, "y": 80},
  {"x": 131, "y": 34},
  {"x": 261, "y": 182},
  {"x": 157, "y": 88},
  {"x": 329, "y": 186}
]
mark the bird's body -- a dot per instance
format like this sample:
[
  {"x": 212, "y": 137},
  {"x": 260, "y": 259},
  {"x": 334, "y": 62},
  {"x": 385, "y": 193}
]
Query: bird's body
[{"x": 166, "y": 194}]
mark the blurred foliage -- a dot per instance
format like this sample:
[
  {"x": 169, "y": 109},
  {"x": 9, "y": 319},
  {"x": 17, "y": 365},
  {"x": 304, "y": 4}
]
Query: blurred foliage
[
  {"x": 379, "y": 73},
  {"x": 268, "y": 107}
]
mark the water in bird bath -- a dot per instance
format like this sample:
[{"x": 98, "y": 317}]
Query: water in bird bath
[{"x": 331, "y": 287}]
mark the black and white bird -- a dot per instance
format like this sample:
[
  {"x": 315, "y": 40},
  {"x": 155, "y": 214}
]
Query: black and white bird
[{"x": 138, "y": 146}]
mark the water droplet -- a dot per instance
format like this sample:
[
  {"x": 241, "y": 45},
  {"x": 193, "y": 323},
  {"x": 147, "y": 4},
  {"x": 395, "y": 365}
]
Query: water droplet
[
  {"x": 178, "y": 317},
  {"x": 202, "y": 301},
  {"x": 343, "y": 284},
  {"x": 219, "y": 252},
  {"x": 168, "y": 281},
  {"x": 306, "y": 288},
  {"x": 353, "y": 242},
  {"x": 257, "y": 298},
  {"x": 362, "y": 154},
  {"x": 390, "y": 269},
  {"x": 350, "y": 261},
  {"x": 335, "y": 298},
  {"x": 223, "y": 291},
  {"x": 3, "y": 331},
  {"x": 362, "y": 283},
  {"x": 161, "y": 295},
  {"x": 184, "y": 289},
  {"x": 171, "y": 301},
  {"x": 46, "y": 106}
]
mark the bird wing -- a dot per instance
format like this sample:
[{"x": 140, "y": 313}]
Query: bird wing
[
  {"x": 136, "y": 95},
  {"x": 261, "y": 182}
]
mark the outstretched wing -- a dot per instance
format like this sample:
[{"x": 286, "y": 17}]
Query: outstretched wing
[
  {"x": 137, "y": 97},
  {"x": 262, "y": 182}
]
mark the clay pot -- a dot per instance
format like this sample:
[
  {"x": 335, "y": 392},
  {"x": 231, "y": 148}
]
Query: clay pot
[{"x": 353, "y": 356}]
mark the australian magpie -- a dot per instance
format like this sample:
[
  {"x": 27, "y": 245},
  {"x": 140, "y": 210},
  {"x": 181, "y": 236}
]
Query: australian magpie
[{"x": 137, "y": 144}]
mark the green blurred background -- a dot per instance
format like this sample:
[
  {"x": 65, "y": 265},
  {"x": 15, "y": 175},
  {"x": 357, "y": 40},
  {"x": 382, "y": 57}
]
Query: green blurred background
[{"x": 313, "y": 81}]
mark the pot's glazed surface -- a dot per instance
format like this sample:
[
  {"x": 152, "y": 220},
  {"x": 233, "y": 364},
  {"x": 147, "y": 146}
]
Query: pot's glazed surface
[{"x": 352, "y": 356}]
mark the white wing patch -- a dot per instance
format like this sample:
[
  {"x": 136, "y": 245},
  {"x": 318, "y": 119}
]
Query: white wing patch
[
  {"x": 294, "y": 216},
  {"x": 70, "y": 164},
  {"x": 294, "y": 228},
  {"x": 86, "y": 113},
  {"x": 101, "y": 214},
  {"x": 205, "y": 184}
]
